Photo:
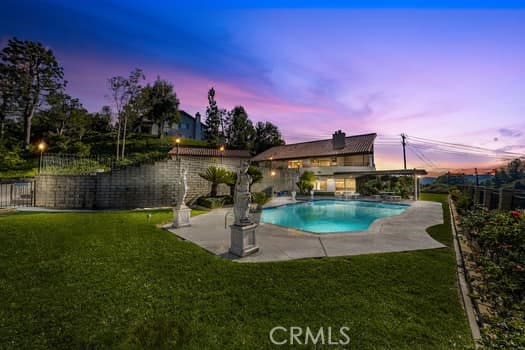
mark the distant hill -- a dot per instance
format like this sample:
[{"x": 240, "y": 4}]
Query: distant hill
[{"x": 427, "y": 180}]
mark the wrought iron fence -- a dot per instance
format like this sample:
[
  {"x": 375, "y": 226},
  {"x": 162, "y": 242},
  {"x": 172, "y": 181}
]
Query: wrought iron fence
[
  {"x": 70, "y": 164},
  {"x": 17, "y": 194}
]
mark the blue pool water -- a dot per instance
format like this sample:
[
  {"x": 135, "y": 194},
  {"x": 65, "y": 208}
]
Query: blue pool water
[{"x": 330, "y": 216}]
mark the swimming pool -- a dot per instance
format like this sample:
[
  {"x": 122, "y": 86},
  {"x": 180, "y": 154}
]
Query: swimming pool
[{"x": 330, "y": 216}]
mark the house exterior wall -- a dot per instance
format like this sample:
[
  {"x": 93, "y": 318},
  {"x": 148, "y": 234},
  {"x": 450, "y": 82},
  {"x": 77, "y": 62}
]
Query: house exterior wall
[{"x": 189, "y": 127}]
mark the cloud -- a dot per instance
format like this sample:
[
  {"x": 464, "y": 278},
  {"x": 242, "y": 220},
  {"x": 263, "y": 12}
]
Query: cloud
[{"x": 509, "y": 132}]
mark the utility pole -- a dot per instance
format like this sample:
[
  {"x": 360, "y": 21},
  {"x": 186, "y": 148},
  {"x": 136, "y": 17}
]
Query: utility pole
[{"x": 403, "y": 142}]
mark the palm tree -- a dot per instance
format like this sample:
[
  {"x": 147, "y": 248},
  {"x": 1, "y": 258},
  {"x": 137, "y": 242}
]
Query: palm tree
[
  {"x": 231, "y": 179},
  {"x": 216, "y": 176}
]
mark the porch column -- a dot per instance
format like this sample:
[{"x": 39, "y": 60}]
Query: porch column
[{"x": 416, "y": 192}]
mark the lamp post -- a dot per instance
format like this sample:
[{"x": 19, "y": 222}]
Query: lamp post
[
  {"x": 41, "y": 148},
  {"x": 221, "y": 149},
  {"x": 177, "y": 141}
]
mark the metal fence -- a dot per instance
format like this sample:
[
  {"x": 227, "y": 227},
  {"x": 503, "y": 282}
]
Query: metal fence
[
  {"x": 17, "y": 194},
  {"x": 496, "y": 198},
  {"x": 70, "y": 164}
]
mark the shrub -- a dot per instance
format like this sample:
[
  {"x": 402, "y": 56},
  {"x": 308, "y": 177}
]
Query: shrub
[
  {"x": 498, "y": 241},
  {"x": 306, "y": 182},
  {"x": 215, "y": 176},
  {"x": 214, "y": 202},
  {"x": 260, "y": 198}
]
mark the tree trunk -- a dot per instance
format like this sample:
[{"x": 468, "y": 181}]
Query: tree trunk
[
  {"x": 232, "y": 190},
  {"x": 124, "y": 136},
  {"x": 213, "y": 192},
  {"x": 2, "y": 129},
  {"x": 118, "y": 136},
  {"x": 27, "y": 128}
]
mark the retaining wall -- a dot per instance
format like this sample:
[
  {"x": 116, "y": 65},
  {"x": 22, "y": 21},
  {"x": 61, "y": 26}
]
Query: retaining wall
[{"x": 146, "y": 185}]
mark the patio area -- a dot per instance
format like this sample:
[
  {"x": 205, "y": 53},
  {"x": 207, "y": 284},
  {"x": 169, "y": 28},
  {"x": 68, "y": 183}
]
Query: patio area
[{"x": 405, "y": 232}]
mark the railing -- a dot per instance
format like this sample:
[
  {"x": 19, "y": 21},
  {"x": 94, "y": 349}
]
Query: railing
[
  {"x": 17, "y": 194},
  {"x": 495, "y": 198}
]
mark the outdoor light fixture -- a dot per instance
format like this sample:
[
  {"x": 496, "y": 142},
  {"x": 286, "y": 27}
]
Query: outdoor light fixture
[
  {"x": 177, "y": 141},
  {"x": 221, "y": 149},
  {"x": 272, "y": 173},
  {"x": 41, "y": 148}
]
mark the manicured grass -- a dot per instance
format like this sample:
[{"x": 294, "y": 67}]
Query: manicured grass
[{"x": 112, "y": 279}]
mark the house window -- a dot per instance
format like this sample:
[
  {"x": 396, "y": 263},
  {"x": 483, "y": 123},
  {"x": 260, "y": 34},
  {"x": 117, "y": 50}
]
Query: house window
[
  {"x": 340, "y": 184},
  {"x": 321, "y": 185},
  {"x": 322, "y": 162},
  {"x": 183, "y": 126},
  {"x": 295, "y": 164}
]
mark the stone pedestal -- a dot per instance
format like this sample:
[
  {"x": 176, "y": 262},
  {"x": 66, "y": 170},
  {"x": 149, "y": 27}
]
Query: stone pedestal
[
  {"x": 243, "y": 241},
  {"x": 181, "y": 216},
  {"x": 293, "y": 195}
]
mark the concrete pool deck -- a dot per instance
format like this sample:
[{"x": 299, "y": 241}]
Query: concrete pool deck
[{"x": 405, "y": 232}]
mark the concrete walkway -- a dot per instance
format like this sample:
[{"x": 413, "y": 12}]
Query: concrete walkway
[{"x": 404, "y": 232}]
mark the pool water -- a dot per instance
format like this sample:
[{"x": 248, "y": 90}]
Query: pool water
[{"x": 330, "y": 216}]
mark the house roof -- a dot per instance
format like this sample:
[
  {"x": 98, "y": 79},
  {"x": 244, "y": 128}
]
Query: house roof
[
  {"x": 321, "y": 148},
  {"x": 209, "y": 152}
]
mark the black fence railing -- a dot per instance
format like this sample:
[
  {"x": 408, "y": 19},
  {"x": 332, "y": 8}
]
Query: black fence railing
[
  {"x": 70, "y": 164},
  {"x": 495, "y": 198},
  {"x": 17, "y": 194}
]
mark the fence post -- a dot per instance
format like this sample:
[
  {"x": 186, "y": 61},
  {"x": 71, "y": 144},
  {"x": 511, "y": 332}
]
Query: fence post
[{"x": 486, "y": 197}]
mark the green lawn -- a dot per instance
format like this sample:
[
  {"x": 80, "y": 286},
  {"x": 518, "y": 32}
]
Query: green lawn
[{"x": 113, "y": 280}]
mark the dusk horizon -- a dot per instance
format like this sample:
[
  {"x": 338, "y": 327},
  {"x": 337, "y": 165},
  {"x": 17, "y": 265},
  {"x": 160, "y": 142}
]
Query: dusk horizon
[{"x": 451, "y": 75}]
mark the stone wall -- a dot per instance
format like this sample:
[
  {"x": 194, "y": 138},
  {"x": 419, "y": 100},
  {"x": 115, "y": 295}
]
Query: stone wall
[{"x": 146, "y": 185}]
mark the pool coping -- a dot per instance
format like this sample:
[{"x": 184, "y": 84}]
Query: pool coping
[{"x": 400, "y": 233}]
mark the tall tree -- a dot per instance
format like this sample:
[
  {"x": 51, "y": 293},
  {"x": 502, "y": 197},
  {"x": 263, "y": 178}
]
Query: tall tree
[
  {"x": 215, "y": 118},
  {"x": 123, "y": 92},
  {"x": 36, "y": 72},
  {"x": 240, "y": 132},
  {"x": 267, "y": 135},
  {"x": 63, "y": 109},
  {"x": 161, "y": 104},
  {"x": 6, "y": 101}
]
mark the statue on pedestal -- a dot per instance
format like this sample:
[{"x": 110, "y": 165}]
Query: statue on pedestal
[
  {"x": 181, "y": 213},
  {"x": 182, "y": 189},
  {"x": 242, "y": 238},
  {"x": 242, "y": 197}
]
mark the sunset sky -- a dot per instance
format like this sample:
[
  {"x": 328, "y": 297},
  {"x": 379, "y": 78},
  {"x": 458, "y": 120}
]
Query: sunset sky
[{"x": 454, "y": 74}]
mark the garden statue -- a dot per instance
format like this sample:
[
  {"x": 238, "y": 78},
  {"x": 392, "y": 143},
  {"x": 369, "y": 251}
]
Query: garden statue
[
  {"x": 242, "y": 238},
  {"x": 242, "y": 197},
  {"x": 182, "y": 189},
  {"x": 181, "y": 213}
]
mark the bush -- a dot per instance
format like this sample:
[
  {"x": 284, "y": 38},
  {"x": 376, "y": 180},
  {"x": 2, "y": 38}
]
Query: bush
[
  {"x": 435, "y": 188},
  {"x": 498, "y": 241},
  {"x": 260, "y": 198},
  {"x": 214, "y": 202},
  {"x": 306, "y": 182}
]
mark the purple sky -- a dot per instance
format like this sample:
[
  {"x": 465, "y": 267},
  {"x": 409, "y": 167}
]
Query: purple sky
[{"x": 455, "y": 75}]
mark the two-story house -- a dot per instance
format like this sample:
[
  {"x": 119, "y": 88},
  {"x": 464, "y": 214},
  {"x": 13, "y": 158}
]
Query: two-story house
[
  {"x": 336, "y": 162},
  {"x": 188, "y": 127}
]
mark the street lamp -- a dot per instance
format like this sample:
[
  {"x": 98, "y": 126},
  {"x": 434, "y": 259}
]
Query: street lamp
[
  {"x": 41, "y": 148},
  {"x": 221, "y": 149},
  {"x": 177, "y": 141}
]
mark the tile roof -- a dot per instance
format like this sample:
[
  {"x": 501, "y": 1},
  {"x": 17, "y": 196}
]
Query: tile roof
[
  {"x": 322, "y": 148},
  {"x": 209, "y": 152}
]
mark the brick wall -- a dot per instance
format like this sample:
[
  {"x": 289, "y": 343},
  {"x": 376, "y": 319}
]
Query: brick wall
[{"x": 147, "y": 185}]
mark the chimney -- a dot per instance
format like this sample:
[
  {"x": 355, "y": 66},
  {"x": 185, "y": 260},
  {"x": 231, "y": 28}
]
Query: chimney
[{"x": 339, "y": 140}]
